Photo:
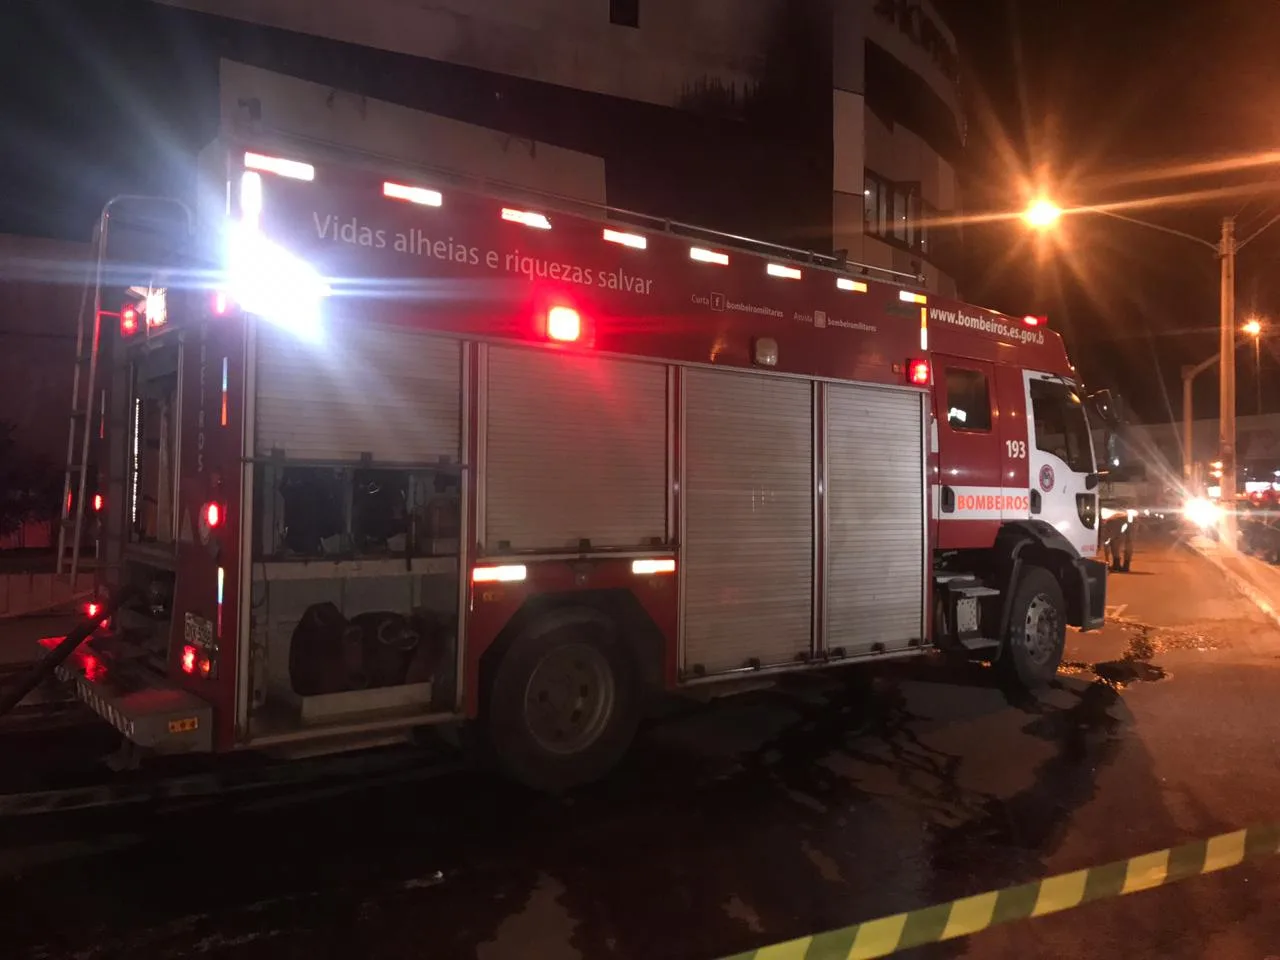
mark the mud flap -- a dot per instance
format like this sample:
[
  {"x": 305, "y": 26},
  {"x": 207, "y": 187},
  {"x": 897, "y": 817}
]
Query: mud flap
[{"x": 1091, "y": 596}]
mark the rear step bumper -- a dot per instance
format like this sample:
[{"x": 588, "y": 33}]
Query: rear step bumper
[{"x": 145, "y": 707}]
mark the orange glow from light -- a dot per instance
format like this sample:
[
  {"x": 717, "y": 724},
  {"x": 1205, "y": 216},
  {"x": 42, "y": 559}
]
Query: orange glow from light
[
  {"x": 656, "y": 565},
  {"x": 1042, "y": 214},
  {"x": 1252, "y": 328}
]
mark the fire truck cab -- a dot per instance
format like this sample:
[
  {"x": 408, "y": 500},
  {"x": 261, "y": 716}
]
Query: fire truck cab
[{"x": 419, "y": 454}]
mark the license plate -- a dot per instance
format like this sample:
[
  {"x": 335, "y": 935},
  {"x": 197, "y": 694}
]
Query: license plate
[{"x": 197, "y": 630}]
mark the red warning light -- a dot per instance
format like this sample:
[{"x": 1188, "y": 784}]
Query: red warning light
[
  {"x": 92, "y": 609},
  {"x": 918, "y": 373},
  {"x": 97, "y": 503},
  {"x": 212, "y": 515},
  {"x": 188, "y": 659},
  {"x": 128, "y": 320},
  {"x": 221, "y": 303},
  {"x": 564, "y": 324},
  {"x": 1033, "y": 321}
]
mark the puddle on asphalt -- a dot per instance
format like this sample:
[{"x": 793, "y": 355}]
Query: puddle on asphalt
[{"x": 1135, "y": 665}]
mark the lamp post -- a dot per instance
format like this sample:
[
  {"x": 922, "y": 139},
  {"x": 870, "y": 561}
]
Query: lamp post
[
  {"x": 1043, "y": 214},
  {"x": 1253, "y": 328}
]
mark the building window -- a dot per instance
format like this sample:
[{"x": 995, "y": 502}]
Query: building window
[
  {"x": 968, "y": 400},
  {"x": 624, "y": 13},
  {"x": 896, "y": 213}
]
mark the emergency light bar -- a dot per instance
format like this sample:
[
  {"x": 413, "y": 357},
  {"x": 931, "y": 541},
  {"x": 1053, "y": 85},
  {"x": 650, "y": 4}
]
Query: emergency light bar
[
  {"x": 564, "y": 324},
  {"x": 906, "y": 296},
  {"x": 293, "y": 169},
  {"x": 844, "y": 283},
  {"x": 399, "y": 191},
  {"x": 778, "y": 270}
]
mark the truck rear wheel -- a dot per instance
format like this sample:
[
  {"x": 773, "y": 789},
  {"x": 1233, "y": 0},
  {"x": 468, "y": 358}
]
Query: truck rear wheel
[
  {"x": 564, "y": 705},
  {"x": 1037, "y": 629}
]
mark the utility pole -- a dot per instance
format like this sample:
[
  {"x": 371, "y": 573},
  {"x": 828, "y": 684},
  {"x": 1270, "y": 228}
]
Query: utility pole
[
  {"x": 1188, "y": 445},
  {"x": 1227, "y": 382}
]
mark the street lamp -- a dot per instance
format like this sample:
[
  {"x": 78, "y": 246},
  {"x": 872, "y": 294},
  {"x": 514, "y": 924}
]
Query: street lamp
[{"x": 1043, "y": 213}]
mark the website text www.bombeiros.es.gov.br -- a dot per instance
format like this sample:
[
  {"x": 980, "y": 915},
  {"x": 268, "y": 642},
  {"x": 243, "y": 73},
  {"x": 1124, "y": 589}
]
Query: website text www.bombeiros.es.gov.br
[{"x": 1009, "y": 331}]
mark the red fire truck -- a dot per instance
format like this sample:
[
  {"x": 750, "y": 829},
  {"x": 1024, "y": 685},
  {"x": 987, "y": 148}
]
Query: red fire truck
[{"x": 418, "y": 452}]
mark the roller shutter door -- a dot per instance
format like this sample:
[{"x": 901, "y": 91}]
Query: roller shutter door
[
  {"x": 748, "y": 551},
  {"x": 575, "y": 449},
  {"x": 875, "y": 518},
  {"x": 392, "y": 393}
]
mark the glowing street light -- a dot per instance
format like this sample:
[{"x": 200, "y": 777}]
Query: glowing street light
[
  {"x": 1042, "y": 214},
  {"x": 1252, "y": 327}
]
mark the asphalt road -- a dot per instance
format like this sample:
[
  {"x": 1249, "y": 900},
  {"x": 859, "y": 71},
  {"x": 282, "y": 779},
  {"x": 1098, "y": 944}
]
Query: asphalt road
[{"x": 739, "y": 824}]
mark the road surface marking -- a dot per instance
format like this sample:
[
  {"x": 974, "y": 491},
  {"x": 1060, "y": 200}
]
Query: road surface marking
[{"x": 959, "y": 918}]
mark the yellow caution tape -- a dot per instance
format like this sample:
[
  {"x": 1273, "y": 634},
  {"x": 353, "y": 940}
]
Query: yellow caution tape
[{"x": 960, "y": 918}]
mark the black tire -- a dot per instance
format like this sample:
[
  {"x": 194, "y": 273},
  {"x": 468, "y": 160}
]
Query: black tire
[
  {"x": 554, "y": 662},
  {"x": 1032, "y": 660}
]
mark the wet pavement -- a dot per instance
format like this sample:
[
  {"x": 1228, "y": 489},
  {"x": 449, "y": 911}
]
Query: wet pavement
[{"x": 740, "y": 823}]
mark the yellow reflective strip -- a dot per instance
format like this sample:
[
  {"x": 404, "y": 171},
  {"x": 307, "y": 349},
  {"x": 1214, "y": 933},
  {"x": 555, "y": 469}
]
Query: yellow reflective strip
[
  {"x": 1060, "y": 893},
  {"x": 1224, "y": 851},
  {"x": 1146, "y": 871},
  {"x": 878, "y": 938},
  {"x": 970, "y": 915},
  {"x": 791, "y": 950}
]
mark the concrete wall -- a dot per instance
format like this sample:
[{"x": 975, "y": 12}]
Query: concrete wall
[
  {"x": 27, "y": 593},
  {"x": 311, "y": 110},
  {"x": 679, "y": 45},
  {"x": 40, "y": 285}
]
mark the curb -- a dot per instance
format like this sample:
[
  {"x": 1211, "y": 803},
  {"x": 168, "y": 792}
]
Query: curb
[
  {"x": 1066, "y": 891},
  {"x": 1240, "y": 583}
]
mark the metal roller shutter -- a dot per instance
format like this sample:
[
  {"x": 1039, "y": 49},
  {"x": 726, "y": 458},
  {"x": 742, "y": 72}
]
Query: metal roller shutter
[
  {"x": 875, "y": 518},
  {"x": 392, "y": 393},
  {"x": 576, "y": 449},
  {"x": 748, "y": 551}
]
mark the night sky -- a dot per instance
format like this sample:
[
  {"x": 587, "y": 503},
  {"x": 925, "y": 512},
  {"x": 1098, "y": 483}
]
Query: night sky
[{"x": 1096, "y": 99}]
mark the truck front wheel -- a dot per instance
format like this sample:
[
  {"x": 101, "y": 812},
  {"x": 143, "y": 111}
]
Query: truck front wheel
[
  {"x": 1037, "y": 629},
  {"x": 564, "y": 705}
]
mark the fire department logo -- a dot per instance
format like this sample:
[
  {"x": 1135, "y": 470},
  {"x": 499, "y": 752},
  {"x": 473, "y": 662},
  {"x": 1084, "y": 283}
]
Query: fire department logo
[{"x": 1046, "y": 478}]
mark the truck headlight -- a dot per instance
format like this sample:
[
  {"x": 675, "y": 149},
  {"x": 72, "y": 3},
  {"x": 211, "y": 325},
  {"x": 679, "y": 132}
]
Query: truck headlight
[{"x": 268, "y": 280}]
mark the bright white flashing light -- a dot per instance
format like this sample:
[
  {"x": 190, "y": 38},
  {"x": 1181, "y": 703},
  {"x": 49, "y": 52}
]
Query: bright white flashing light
[
  {"x": 645, "y": 568},
  {"x": 844, "y": 283},
  {"x": 509, "y": 573},
  {"x": 266, "y": 279},
  {"x": 294, "y": 169},
  {"x": 708, "y": 256},
  {"x": 529, "y": 219},
  {"x": 1203, "y": 513},
  {"x": 250, "y": 196},
  {"x": 399, "y": 191},
  {"x": 924, "y": 329},
  {"x": 778, "y": 270},
  {"x": 906, "y": 296},
  {"x": 635, "y": 240},
  {"x": 157, "y": 309}
]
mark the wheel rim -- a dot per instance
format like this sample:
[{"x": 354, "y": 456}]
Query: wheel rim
[
  {"x": 569, "y": 698},
  {"x": 1040, "y": 633}
]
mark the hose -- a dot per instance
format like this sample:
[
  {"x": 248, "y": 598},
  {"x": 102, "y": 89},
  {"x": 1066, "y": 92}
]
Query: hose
[{"x": 43, "y": 669}]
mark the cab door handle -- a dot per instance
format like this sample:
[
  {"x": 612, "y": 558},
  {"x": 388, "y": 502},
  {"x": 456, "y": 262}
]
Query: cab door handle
[{"x": 1035, "y": 501}]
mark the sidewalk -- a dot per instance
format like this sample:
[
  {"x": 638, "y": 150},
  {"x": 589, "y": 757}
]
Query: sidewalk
[{"x": 1256, "y": 579}]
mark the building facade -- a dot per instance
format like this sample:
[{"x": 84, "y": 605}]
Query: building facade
[{"x": 828, "y": 125}]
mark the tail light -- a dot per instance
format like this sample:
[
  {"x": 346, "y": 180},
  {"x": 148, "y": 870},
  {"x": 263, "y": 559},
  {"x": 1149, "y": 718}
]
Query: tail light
[
  {"x": 128, "y": 320},
  {"x": 212, "y": 515},
  {"x": 97, "y": 503},
  {"x": 918, "y": 373}
]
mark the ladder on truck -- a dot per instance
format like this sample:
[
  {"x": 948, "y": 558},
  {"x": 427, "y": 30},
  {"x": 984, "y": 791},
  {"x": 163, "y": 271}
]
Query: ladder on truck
[{"x": 86, "y": 401}]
